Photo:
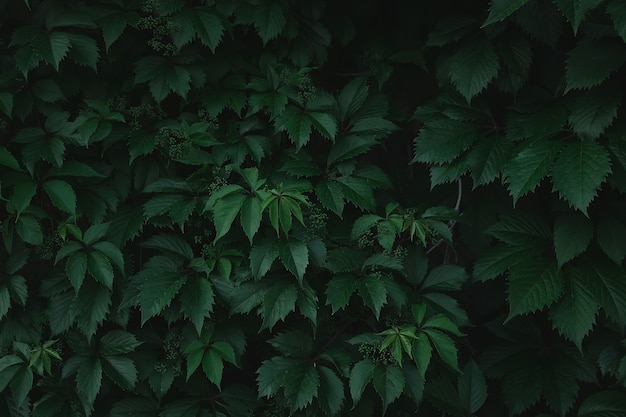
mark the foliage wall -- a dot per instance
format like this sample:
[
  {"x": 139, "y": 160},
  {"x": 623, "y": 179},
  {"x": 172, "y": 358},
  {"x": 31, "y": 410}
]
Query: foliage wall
[{"x": 308, "y": 208}]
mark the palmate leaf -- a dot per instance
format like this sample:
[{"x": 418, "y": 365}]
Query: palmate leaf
[
  {"x": 606, "y": 57},
  {"x": 603, "y": 404},
  {"x": 533, "y": 286},
  {"x": 579, "y": 171},
  {"x": 473, "y": 67},
  {"x": 575, "y": 314},
  {"x": 572, "y": 234},
  {"x": 501, "y": 9},
  {"x": 524, "y": 172}
]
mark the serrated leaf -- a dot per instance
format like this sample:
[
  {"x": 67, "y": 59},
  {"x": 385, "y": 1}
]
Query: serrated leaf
[
  {"x": 29, "y": 230},
  {"x": 325, "y": 123},
  {"x": 576, "y": 10},
  {"x": 330, "y": 392},
  {"x": 197, "y": 299},
  {"x": 90, "y": 306},
  {"x": 572, "y": 234},
  {"x": 607, "y": 283},
  {"x": 389, "y": 383},
  {"x": 501, "y": 9},
  {"x": 360, "y": 376},
  {"x": 6, "y": 106},
  {"x": 118, "y": 342},
  {"x": 269, "y": 21},
  {"x": 443, "y": 140},
  {"x": 84, "y": 50},
  {"x": 338, "y": 292},
  {"x": 579, "y": 171},
  {"x": 301, "y": 385},
  {"x": 21, "y": 384},
  {"x": 610, "y": 237},
  {"x": 496, "y": 260},
  {"x": 603, "y": 404},
  {"x": 451, "y": 28},
  {"x": 294, "y": 343},
  {"x": 524, "y": 172},
  {"x": 473, "y": 67},
  {"x": 278, "y": 302},
  {"x": 89, "y": 379},
  {"x": 575, "y": 313},
  {"x": 373, "y": 292},
  {"x": 100, "y": 268},
  {"x": 606, "y": 57},
  {"x": 295, "y": 256},
  {"x": 213, "y": 367},
  {"x": 617, "y": 11},
  {"x": 251, "y": 217},
  {"x": 445, "y": 278},
  {"x": 533, "y": 286},
  {"x": 487, "y": 159},
  {"x": 23, "y": 193},
  {"x": 445, "y": 347},
  {"x": 262, "y": 256},
  {"x": 472, "y": 388},
  {"x": 159, "y": 288},
  {"x": 5, "y": 301},
  {"x": 330, "y": 195},
  {"x": 61, "y": 194},
  {"x": 121, "y": 370},
  {"x": 224, "y": 213},
  {"x": 57, "y": 46},
  {"x": 170, "y": 244},
  {"x": 208, "y": 26},
  {"x": 522, "y": 229},
  {"x": 594, "y": 111},
  {"x": 76, "y": 268}
]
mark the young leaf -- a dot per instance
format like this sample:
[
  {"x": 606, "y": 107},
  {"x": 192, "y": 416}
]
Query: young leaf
[
  {"x": 533, "y": 286},
  {"x": 473, "y": 67},
  {"x": 572, "y": 234},
  {"x": 579, "y": 171},
  {"x": 388, "y": 383}
]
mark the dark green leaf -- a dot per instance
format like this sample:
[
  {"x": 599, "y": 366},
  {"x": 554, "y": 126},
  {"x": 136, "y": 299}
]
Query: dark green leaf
[
  {"x": 572, "y": 234},
  {"x": 262, "y": 257},
  {"x": 533, "y": 286},
  {"x": 388, "y": 383},
  {"x": 607, "y": 58},
  {"x": 501, "y": 9},
  {"x": 473, "y": 67},
  {"x": 278, "y": 302},
  {"x": 472, "y": 388},
  {"x": 197, "y": 299},
  {"x": 610, "y": 236},
  {"x": 603, "y": 404},
  {"x": 360, "y": 376}
]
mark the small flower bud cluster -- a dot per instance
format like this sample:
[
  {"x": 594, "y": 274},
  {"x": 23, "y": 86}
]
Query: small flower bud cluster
[
  {"x": 174, "y": 142},
  {"x": 376, "y": 355}
]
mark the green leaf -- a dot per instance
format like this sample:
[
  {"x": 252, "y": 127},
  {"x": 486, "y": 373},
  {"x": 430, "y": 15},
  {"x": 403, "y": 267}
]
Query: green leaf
[
  {"x": 607, "y": 57},
  {"x": 89, "y": 379},
  {"x": 594, "y": 111},
  {"x": 29, "y": 230},
  {"x": 56, "y": 47},
  {"x": 533, "y": 286},
  {"x": 208, "y": 26},
  {"x": 224, "y": 213},
  {"x": 579, "y": 171},
  {"x": 23, "y": 193},
  {"x": 301, "y": 385},
  {"x": 278, "y": 302},
  {"x": 262, "y": 256},
  {"x": 388, "y": 383},
  {"x": 607, "y": 283},
  {"x": 572, "y": 234},
  {"x": 213, "y": 367},
  {"x": 95, "y": 233},
  {"x": 330, "y": 392},
  {"x": 197, "y": 299},
  {"x": 603, "y": 404},
  {"x": 339, "y": 290},
  {"x": 575, "y": 313},
  {"x": 617, "y": 11},
  {"x": 61, "y": 194},
  {"x": 487, "y": 159},
  {"x": 294, "y": 343},
  {"x": 295, "y": 256},
  {"x": 360, "y": 375},
  {"x": 473, "y": 67},
  {"x": 112, "y": 253},
  {"x": 117, "y": 342},
  {"x": 251, "y": 217},
  {"x": 269, "y": 20},
  {"x": 610, "y": 236},
  {"x": 330, "y": 195},
  {"x": 100, "y": 268},
  {"x": 84, "y": 50},
  {"x": 21, "y": 384},
  {"x": 443, "y": 140},
  {"x": 325, "y": 123},
  {"x": 576, "y": 10},
  {"x": 445, "y": 347},
  {"x": 6, "y": 106},
  {"x": 8, "y": 160},
  {"x": 522, "y": 229},
  {"x": 501, "y": 9},
  {"x": 90, "y": 306},
  {"x": 524, "y": 172},
  {"x": 373, "y": 292},
  {"x": 125, "y": 225},
  {"x": 445, "y": 278},
  {"x": 170, "y": 244},
  {"x": 496, "y": 260},
  {"x": 472, "y": 388},
  {"x": 76, "y": 268},
  {"x": 5, "y": 301},
  {"x": 121, "y": 370},
  {"x": 159, "y": 287},
  {"x": 297, "y": 124}
]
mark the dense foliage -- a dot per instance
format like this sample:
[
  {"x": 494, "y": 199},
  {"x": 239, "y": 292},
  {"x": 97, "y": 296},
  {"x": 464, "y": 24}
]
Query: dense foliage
[{"x": 344, "y": 208}]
